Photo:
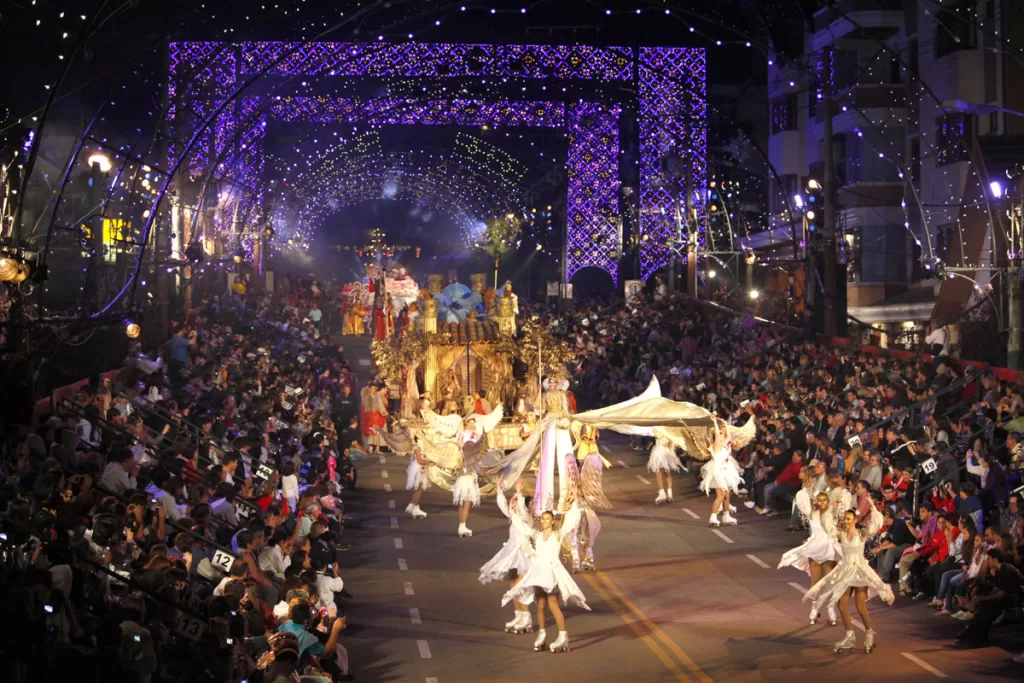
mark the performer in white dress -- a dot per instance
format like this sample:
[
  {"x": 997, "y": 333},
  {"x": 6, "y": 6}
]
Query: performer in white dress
[
  {"x": 663, "y": 461},
  {"x": 547, "y": 578},
  {"x": 417, "y": 481},
  {"x": 513, "y": 560},
  {"x": 819, "y": 553},
  {"x": 466, "y": 437},
  {"x": 722, "y": 474},
  {"x": 854, "y": 578}
]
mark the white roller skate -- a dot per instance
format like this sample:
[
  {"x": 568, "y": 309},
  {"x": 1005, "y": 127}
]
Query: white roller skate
[
  {"x": 662, "y": 497},
  {"x": 538, "y": 644},
  {"x": 561, "y": 643}
]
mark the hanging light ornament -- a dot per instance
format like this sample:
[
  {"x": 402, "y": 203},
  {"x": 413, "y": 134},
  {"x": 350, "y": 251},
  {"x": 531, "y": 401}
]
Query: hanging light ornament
[
  {"x": 22, "y": 273},
  {"x": 132, "y": 329},
  {"x": 8, "y": 269}
]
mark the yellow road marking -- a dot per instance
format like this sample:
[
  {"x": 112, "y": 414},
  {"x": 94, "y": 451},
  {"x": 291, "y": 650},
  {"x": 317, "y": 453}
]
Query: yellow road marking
[
  {"x": 633, "y": 623},
  {"x": 694, "y": 669}
]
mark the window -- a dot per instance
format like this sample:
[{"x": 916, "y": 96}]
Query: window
[
  {"x": 954, "y": 29},
  {"x": 953, "y": 135},
  {"x": 784, "y": 113}
]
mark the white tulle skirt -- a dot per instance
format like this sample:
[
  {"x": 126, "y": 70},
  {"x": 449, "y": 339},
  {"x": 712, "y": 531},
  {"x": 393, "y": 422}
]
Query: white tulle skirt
[
  {"x": 663, "y": 459},
  {"x": 465, "y": 489},
  {"x": 549, "y": 576},
  {"x": 853, "y": 571},
  {"x": 722, "y": 474},
  {"x": 416, "y": 476},
  {"x": 820, "y": 547},
  {"x": 511, "y": 556}
]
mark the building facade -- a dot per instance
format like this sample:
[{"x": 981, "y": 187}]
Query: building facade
[{"x": 920, "y": 89}]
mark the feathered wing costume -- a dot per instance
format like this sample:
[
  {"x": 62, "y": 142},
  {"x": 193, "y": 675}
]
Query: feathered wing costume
[
  {"x": 402, "y": 443},
  {"x": 459, "y": 455},
  {"x": 722, "y": 471}
]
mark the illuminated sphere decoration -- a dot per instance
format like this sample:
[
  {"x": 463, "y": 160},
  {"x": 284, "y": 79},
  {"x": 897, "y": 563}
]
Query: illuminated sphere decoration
[
  {"x": 8, "y": 269},
  {"x": 132, "y": 329}
]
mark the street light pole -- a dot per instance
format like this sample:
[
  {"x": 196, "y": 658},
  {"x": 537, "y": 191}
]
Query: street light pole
[{"x": 829, "y": 223}]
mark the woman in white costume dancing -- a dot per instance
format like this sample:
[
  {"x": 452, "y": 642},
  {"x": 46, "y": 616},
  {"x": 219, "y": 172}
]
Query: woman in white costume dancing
[
  {"x": 819, "y": 553},
  {"x": 547, "y": 579},
  {"x": 722, "y": 474},
  {"x": 417, "y": 481},
  {"x": 663, "y": 461},
  {"x": 513, "y": 560},
  {"x": 852, "y": 578}
]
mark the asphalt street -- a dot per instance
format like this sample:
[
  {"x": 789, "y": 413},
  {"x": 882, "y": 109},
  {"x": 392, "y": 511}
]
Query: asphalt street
[{"x": 672, "y": 600}]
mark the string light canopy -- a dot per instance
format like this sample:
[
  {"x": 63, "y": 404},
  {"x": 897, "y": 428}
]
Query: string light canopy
[{"x": 671, "y": 106}]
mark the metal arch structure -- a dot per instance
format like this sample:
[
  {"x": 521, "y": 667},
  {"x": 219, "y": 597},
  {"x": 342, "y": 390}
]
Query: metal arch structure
[{"x": 671, "y": 107}]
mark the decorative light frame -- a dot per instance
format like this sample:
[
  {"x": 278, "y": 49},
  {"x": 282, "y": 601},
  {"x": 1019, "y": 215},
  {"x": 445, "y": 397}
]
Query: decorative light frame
[{"x": 671, "y": 111}]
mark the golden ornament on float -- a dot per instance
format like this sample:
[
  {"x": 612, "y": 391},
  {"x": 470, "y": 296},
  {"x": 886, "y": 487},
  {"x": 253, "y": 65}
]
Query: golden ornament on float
[
  {"x": 22, "y": 273},
  {"x": 477, "y": 282},
  {"x": 132, "y": 330},
  {"x": 8, "y": 269},
  {"x": 435, "y": 283}
]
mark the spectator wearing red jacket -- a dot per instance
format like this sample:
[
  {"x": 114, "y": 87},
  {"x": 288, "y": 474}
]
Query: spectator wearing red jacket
[{"x": 786, "y": 484}]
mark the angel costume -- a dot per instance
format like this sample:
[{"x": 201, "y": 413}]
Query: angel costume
[
  {"x": 460, "y": 452},
  {"x": 852, "y": 571},
  {"x": 663, "y": 457},
  {"x": 514, "y": 557},
  {"x": 821, "y": 547},
  {"x": 721, "y": 471},
  {"x": 546, "y": 572},
  {"x": 590, "y": 497}
]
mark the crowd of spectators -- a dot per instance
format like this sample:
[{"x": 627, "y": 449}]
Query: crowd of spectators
[
  {"x": 195, "y": 506},
  {"x": 932, "y": 445},
  {"x": 184, "y": 522}
]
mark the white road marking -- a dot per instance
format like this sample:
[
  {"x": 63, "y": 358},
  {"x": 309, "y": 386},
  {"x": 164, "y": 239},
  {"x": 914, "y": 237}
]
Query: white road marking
[
  {"x": 383, "y": 460},
  {"x": 424, "y": 649},
  {"x": 924, "y": 665},
  {"x": 757, "y": 561},
  {"x": 432, "y": 679},
  {"x": 387, "y": 488},
  {"x": 364, "y": 361},
  {"x": 643, "y": 480},
  {"x": 403, "y": 566},
  {"x": 394, "y": 522},
  {"x": 383, "y": 474},
  {"x": 692, "y": 514},
  {"x": 414, "y": 616},
  {"x": 407, "y": 586},
  {"x": 391, "y": 505},
  {"x": 622, "y": 463},
  {"x": 856, "y": 622},
  {"x": 398, "y": 544},
  {"x": 722, "y": 536}
]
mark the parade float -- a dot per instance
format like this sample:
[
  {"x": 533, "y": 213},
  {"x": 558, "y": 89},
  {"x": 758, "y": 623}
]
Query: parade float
[{"x": 467, "y": 340}]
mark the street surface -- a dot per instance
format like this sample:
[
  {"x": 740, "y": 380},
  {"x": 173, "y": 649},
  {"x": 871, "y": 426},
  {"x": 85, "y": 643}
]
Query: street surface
[{"x": 673, "y": 600}]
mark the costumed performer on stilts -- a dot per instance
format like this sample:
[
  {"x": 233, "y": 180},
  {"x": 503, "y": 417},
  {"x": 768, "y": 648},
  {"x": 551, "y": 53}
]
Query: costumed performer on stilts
[
  {"x": 511, "y": 563},
  {"x": 590, "y": 496},
  {"x": 818, "y": 554},
  {"x": 721, "y": 472},
  {"x": 852, "y": 578},
  {"x": 546, "y": 580}
]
